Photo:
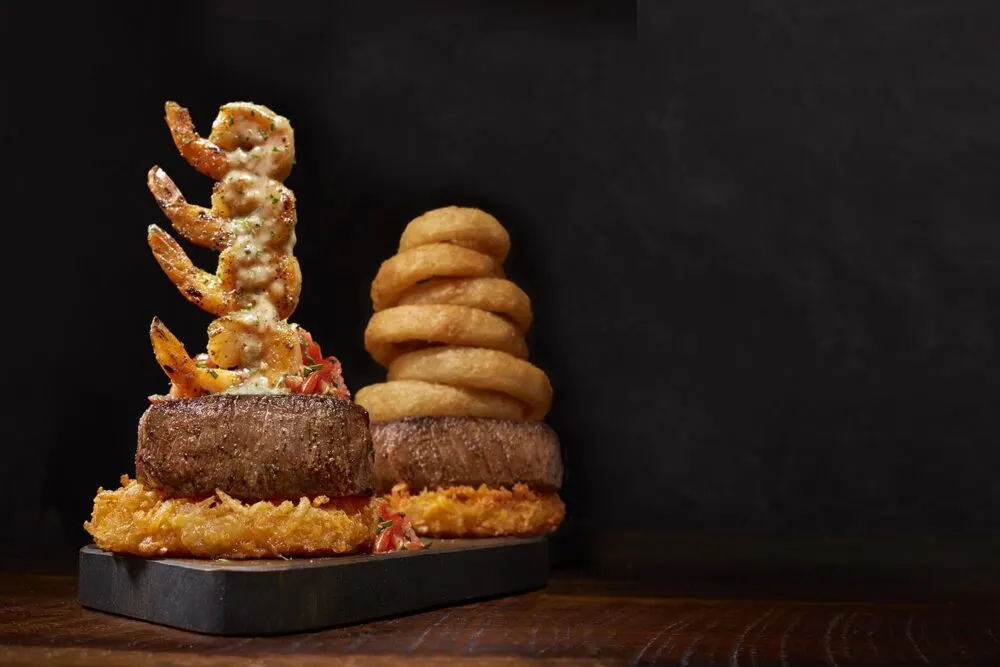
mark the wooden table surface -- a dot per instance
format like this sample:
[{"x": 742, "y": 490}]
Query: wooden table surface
[{"x": 574, "y": 620}]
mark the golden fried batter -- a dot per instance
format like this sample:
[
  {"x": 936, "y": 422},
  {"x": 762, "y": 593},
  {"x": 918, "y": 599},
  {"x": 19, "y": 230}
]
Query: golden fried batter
[{"x": 450, "y": 328}]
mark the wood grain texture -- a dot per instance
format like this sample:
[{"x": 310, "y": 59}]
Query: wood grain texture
[{"x": 572, "y": 621}]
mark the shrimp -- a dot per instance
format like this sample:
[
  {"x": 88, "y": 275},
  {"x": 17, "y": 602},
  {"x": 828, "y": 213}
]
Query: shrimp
[
  {"x": 205, "y": 290},
  {"x": 287, "y": 287},
  {"x": 251, "y": 221},
  {"x": 277, "y": 347},
  {"x": 197, "y": 224},
  {"x": 188, "y": 378},
  {"x": 241, "y": 194},
  {"x": 200, "y": 153},
  {"x": 243, "y": 134}
]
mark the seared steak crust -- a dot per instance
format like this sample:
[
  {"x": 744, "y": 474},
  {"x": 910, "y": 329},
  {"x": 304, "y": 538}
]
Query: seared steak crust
[
  {"x": 427, "y": 452},
  {"x": 256, "y": 447}
]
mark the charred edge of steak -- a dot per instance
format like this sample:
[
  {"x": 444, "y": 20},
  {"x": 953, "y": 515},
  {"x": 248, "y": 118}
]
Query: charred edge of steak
[
  {"x": 256, "y": 447},
  {"x": 427, "y": 452}
]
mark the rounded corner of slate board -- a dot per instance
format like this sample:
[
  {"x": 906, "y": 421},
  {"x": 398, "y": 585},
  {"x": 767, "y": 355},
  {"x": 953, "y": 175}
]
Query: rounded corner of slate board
[{"x": 286, "y": 596}]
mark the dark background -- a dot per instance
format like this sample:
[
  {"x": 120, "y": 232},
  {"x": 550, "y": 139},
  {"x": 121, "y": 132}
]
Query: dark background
[{"x": 762, "y": 240}]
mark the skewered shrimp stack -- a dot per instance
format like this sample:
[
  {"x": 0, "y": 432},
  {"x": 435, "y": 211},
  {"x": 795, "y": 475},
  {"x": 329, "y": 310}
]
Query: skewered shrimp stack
[
  {"x": 459, "y": 420},
  {"x": 252, "y": 223}
]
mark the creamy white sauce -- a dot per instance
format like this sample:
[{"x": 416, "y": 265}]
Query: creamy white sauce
[{"x": 256, "y": 384}]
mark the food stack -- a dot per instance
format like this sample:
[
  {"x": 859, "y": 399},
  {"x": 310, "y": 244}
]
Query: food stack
[
  {"x": 460, "y": 446},
  {"x": 257, "y": 449}
]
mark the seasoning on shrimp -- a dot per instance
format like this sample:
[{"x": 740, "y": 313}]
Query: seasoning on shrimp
[{"x": 251, "y": 346}]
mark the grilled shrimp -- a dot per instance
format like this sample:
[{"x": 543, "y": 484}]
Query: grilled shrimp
[
  {"x": 277, "y": 346},
  {"x": 237, "y": 195},
  {"x": 210, "y": 292},
  {"x": 240, "y": 194},
  {"x": 189, "y": 379},
  {"x": 243, "y": 134},
  {"x": 251, "y": 221},
  {"x": 216, "y": 293},
  {"x": 197, "y": 224},
  {"x": 200, "y": 153},
  {"x": 286, "y": 289}
]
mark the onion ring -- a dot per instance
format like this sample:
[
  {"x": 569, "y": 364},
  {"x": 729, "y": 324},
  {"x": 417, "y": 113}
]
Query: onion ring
[
  {"x": 466, "y": 227},
  {"x": 404, "y": 328},
  {"x": 410, "y": 398},
  {"x": 478, "y": 368},
  {"x": 450, "y": 328},
  {"x": 401, "y": 272},
  {"x": 494, "y": 295}
]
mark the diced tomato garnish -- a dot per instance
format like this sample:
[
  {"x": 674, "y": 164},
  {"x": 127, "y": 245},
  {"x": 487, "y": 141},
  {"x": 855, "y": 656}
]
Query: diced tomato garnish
[
  {"x": 311, "y": 354},
  {"x": 384, "y": 542},
  {"x": 310, "y": 384},
  {"x": 326, "y": 380},
  {"x": 395, "y": 533}
]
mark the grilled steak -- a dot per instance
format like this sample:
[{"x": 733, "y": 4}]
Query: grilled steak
[
  {"x": 427, "y": 452},
  {"x": 256, "y": 447}
]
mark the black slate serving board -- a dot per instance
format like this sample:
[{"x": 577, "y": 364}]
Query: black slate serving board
[{"x": 256, "y": 597}]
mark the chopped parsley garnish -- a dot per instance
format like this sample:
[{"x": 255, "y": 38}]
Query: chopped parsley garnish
[
  {"x": 274, "y": 199},
  {"x": 305, "y": 347},
  {"x": 382, "y": 526},
  {"x": 272, "y": 126},
  {"x": 213, "y": 373},
  {"x": 232, "y": 121},
  {"x": 312, "y": 368},
  {"x": 427, "y": 543},
  {"x": 276, "y": 149}
]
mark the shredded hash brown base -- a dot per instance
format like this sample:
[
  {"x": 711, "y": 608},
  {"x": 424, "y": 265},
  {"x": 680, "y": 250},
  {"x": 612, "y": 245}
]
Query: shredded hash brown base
[
  {"x": 141, "y": 521},
  {"x": 464, "y": 511}
]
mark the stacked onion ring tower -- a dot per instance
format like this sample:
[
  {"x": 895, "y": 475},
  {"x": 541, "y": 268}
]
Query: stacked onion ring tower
[
  {"x": 460, "y": 446},
  {"x": 257, "y": 450}
]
